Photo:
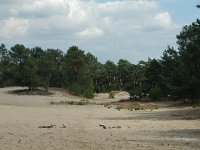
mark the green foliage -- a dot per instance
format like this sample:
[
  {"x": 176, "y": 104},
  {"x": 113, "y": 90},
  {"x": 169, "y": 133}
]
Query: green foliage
[
  {"x": 88, "y": 93},
  {"x": 170, "y": 72},
  {"x": 24, "y": 67},
  {"x": 80, "y": 90},
  {"x": 1, "y": 79},
  {"x": 74, "y": 62},
  {"x": 28, "y": 74},
  {"x": 3, "y": 65},
  {"x": 153, "y": 72},
  {"x": 177, "y": 73},
  {"x": 155, "y": 93},
  {"x": 55, "y": 56},
  {"x": 125, "y": 71},
  {"x": 189, "y": 50},
  {"x": 76, "y": 89},
  {"x": 132, "y": 77},
  {"x": 111, "y": 94},
  {"x": 110, "y": 75},
  {"x": 135, "y": 93}
]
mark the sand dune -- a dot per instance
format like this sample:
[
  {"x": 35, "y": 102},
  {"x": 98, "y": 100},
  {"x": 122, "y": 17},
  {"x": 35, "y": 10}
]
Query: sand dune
[{"x": 78, "y": 127}]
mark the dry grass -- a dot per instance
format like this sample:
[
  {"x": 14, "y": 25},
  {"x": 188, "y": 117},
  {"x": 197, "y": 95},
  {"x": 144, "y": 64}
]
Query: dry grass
[
  {"x": 186, "y": 104},
  {"x": 62, "y": 90},
  {"x": 132, "y": 105},
  {"x": 141, "y": 105}
]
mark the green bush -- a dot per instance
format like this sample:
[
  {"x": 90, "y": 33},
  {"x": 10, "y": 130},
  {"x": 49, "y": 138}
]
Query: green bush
[
  {"x": 76, "y": 89},
  {"x": 89, "y": 93},
  {"x": 1, "y": 79},
  {"x": 155, "y": 93},
  {"x": 135, "y": 92}
]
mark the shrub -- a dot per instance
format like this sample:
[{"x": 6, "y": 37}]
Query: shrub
[
  {"x": 76, "y": 89},
  {"x": 111, "y": 94},
  {"x": 155, "y": 93},
  {"x": 89, "y": 93},
  {"x": 136, "y": 92}
]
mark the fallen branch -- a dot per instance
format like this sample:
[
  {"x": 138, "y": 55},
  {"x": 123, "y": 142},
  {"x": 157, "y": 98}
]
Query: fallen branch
[
  {"x": 48, "y": 127},
  {"x": 103, "y": 126}
]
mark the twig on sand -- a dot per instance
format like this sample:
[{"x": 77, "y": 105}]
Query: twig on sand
[
  {"x": 63, "y": 126},
  {"x": 103, "y": 126},
  {"x": 51, "y": 126}
]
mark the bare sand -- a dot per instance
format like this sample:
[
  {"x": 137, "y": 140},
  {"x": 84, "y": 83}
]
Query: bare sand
[{"x": 77, "y": 127}]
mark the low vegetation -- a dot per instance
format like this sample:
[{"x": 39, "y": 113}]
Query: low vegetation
[
  {"x": 150, "y": 105},
  {"x": 31, "y": 92},
  {"x": 131, "y": 105},
  {"x": 111, "y": 94}
]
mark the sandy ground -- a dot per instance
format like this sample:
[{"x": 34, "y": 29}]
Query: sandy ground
[{"x": 162, "y": 129}]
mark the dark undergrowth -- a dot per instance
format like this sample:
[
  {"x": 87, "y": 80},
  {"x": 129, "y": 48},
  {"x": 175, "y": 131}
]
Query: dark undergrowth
[{"x": 31, "y": 92}]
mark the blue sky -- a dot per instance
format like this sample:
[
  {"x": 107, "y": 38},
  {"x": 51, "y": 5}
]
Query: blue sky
[
  {"x": 109, "y": 29},
  {"x": 183, "y": 11}
]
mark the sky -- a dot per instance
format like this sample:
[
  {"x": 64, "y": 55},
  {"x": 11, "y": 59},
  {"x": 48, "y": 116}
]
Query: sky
[{"x": 109, "y": 29}]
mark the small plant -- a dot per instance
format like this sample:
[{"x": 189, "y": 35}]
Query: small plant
[
  {"x": 111, "y": 94},
  {"x": 119, "y": 108},
  {"x": 137, "y": 107},
  {"x": 105, "y": 105}
]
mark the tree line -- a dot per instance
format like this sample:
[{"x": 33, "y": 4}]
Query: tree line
[{"x": 175, "y": 74}]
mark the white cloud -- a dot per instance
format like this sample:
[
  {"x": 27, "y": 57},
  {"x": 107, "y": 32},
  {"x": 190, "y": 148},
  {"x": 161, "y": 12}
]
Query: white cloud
[
  {"x": 112, "y": 26},
  {"x": 163, "y": 20},
  {"x": 40, "y": 8},
  {"x": 13, "y": 27},
  {"x": 128, "y": 6},
  {"x": 91, "y": 33}
]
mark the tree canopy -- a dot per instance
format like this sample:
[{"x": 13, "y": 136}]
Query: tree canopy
[{"x": 175, "y": 74}]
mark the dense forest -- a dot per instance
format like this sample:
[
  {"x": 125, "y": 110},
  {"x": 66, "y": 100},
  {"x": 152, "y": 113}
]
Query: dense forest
[{"x": 176, "y": 74}]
